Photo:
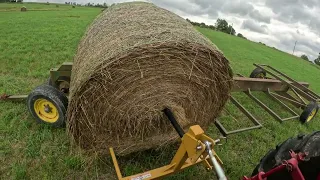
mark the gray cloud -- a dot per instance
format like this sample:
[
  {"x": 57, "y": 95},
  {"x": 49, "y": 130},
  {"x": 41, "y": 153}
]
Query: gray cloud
[
  {"x": 186, "y": 7},
  {"x": 193, "y": 7},
  {"x": 240, "y": 7},
  {"x": 278, "y": 5},
  {"x": 237, "y": 7},
  {"x": 293, "y": 11},
  {"x": 255, "y": 14},
  {"x": 208, "y": 3},
  {"x": 254, "y": 26},
  {"x": 305, "y": 45}
]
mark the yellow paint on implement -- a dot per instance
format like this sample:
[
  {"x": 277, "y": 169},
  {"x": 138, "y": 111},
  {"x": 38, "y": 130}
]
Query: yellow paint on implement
[
  {"x": 191, "y": 152},
  {"x": 260, "y": 75},
  {"x": 312, "y": 114},
  {"x": 46, "y": 110}
]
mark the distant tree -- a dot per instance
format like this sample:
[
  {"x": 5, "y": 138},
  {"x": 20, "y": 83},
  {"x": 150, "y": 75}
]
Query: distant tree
[
  {"x": 19, "y": 1},
  {"x": 212, "y": 27},
  {"x": 196, "y": 23},
  {"x": 204, "y": 25},
  {"x": 241, "y": 36},
  {"x": 317, "y": 61},
  {"x": 305, "y": 57},
  {"x": 231, "y": 30},
  {"x": 222, "y": 25}
]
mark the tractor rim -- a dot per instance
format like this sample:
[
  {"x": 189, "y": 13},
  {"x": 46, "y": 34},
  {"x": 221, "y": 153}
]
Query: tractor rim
[
  {"x": 46, "y": 110},
  {"x": 312, "y": 114},
  {"x": 260, "y": 75}
]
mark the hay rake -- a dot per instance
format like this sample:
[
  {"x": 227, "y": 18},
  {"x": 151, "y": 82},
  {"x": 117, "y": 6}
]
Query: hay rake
[{"x": 281, "y": 89}]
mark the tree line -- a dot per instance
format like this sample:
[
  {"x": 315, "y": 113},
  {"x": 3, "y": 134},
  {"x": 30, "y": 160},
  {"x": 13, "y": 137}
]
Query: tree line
[
  {"x": 12, "y": 1},
  {"x": 220, "y": 25},
  {"x": 104, "y": 5},
  {"x": 316, "y": 61}
]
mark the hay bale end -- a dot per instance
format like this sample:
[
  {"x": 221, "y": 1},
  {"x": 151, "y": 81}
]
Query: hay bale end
[
  {"x": 135, "y": 60},
  {"x": 23, "y": 9}
]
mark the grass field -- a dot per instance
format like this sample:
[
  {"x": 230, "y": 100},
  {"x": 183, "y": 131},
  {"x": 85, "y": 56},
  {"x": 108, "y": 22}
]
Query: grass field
[{"x": 32, "y": 42}]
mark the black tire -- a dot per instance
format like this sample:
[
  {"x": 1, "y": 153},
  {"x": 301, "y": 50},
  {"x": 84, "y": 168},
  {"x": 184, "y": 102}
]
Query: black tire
[
  {"x": 55, "y": 102},
  {"x": 309, "y": 112},
  {"x": 303, "y": 143},
  {"x": 258, "y": 73},
  {"x": 49, "y": 82}
]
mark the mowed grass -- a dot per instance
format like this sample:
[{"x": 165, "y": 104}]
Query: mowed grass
[{"x": 32, "y": 42}]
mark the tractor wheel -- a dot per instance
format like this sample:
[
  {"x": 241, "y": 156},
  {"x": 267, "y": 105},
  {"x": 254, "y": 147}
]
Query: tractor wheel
[
  {"x": 309, "y": 112},
  {"x": 258, "y": 73},
  {"x": 62, "y": 84},
  {"x": 48, "y": 105},
  {"x": 310, "y": 168}
]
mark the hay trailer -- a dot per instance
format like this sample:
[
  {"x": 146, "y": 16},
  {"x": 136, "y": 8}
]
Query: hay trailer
[
  {"x": 48, "y": 104},
  {"x": 281, "y": 89}
]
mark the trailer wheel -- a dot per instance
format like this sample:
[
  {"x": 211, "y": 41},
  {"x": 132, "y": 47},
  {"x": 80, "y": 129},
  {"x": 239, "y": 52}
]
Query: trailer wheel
[
  {"x": 258, "y": 73},
  {"x": 62, "y": 84},
  {"x": 309, "y": 112},
  {"x": 310, "y": 168},
  {"x": 48, "y": 105}
]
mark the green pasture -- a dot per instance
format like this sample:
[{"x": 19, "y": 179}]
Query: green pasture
[{"x": 32, "y": 42}]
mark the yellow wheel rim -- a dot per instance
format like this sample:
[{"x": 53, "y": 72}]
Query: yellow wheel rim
[
  {"x": 260, "y": 75},
  {"x": 46, "y": 110},
  {"x": 312, "y": 114}
]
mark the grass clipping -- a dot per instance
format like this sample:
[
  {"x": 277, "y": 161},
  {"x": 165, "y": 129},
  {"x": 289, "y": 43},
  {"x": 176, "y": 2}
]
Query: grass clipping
[{"x": 135, "y": 60}]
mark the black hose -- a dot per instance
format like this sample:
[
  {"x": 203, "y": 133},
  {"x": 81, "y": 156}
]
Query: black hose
[{"x": 174, "y": 122}]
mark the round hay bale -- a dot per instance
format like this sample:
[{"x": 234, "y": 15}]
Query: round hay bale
[
  {"x": 23, "y": 9},
  {"x": 135, "y": 60}
]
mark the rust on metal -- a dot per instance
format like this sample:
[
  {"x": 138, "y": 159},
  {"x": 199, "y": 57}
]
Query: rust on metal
[
  {"x": 225, "y": 132},
  {"x": 279, "y": 87},
  {"x": 4, "y": 96},
  {"x": 294, "y": 85},
  {"x": 255, "y": 84},
  {"x": 62, "y": 71}
]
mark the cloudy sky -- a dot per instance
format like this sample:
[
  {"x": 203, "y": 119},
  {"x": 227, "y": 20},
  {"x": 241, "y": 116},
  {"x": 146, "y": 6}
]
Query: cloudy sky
[{"x": 277, "y": 23}]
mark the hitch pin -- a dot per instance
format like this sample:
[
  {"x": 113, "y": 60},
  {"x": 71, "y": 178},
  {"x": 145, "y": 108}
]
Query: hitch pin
[{"x": 216, "y": 165}]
